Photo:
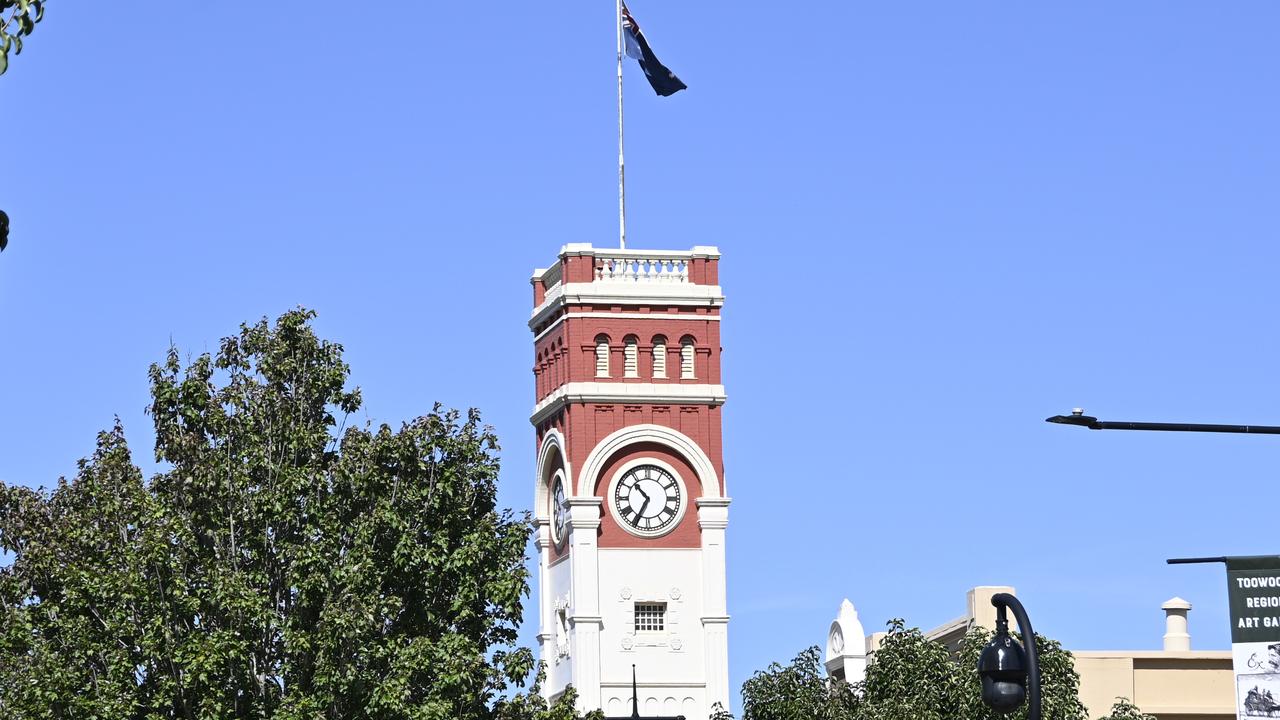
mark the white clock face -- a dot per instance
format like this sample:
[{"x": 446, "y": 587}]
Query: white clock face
[
  {"x": 559, "y": 513},
  {"x": 647, "y": 500}
]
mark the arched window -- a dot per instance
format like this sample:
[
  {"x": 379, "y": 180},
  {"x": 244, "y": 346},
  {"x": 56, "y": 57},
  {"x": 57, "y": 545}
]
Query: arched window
[
  {"x": 630, "y": 361},
  {"x": 686, "y": 358},
  {"x": 659, "y": 356},
  {"x": 540, "y": 372},
  {"x": 602, "y": 356}
]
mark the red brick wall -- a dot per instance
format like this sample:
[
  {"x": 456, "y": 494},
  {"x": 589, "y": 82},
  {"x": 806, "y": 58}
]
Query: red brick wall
[{"x": 567, "y": 353}]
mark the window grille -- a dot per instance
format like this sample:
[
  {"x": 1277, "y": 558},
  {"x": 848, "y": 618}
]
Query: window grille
[
  {"x": 659, "y": 357},
  {"x": 602, "y": 356},
  {"x": 686, "y": 358},
  {"x": 651, "y": 617},
  {"x": 630, "y": 365}
]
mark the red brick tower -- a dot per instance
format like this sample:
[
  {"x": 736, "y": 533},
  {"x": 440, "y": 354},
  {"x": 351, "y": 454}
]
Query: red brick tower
[{"x": 630, "y": 498}]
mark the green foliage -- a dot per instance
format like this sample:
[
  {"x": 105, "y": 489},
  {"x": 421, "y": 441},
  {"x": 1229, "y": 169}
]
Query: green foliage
[
  {"x": 909, "y": 676},
  {"x": 18, "y": 18},
  {"x": 531, "y": 706},
  {"x": 799, "y": 691},
  {"x": 280, "y": 568},
  {"x": 1125, "y": 710}
]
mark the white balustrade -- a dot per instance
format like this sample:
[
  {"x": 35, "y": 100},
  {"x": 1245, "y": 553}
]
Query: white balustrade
[{"x": 642, "y": 269}]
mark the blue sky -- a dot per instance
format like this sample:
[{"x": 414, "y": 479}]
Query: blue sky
[{"x": 941, "y": 223}]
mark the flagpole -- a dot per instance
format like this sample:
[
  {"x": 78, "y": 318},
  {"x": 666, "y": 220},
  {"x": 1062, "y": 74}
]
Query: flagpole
[{"x": 622, "y": 172}]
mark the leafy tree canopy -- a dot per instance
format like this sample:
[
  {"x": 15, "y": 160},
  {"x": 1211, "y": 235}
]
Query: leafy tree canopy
[
  {"x": 909, "y": 676},
  {"x": 1125, "y": 710},
  {"x": 281, "y": 567},
  {"x": 18, "y": 18}
]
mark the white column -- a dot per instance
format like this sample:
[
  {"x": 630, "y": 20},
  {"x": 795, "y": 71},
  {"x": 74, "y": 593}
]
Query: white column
[
  {"x": 713, "y": 518},
  {"x": 546, "y": 609},
  {"x": 584, "y": 610}
]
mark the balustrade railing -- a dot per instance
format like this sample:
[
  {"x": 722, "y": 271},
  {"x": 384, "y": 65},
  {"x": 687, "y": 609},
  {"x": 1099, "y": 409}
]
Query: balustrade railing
[{"x": 656, "y": 269}]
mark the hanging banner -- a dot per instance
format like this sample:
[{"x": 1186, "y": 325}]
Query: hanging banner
[{"x": 1253, "y": 592}]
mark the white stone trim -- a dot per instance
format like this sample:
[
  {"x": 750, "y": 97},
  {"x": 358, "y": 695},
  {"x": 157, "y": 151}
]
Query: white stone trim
[
  {"x": 655, "y": 684},
  {"x": 549, "y": 277},
  {"x": 620, "y": 392},
  {"x": 624, "y": 293},
  {"x": 542, "y": 492},
  {"x": 610, "y": 500},
  {"x": 623, "y": 316},
  {"x": 674, "y": 439},
  {"x": 710, "y": 252},
  {"x": 713, "y": 512},
  {"x": 584, "y": 613}
]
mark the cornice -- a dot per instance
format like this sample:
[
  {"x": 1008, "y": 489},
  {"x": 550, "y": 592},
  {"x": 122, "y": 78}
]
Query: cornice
[
  {"x": 626, "y": 293},
  {"x": 613, "y": 392},
  {"x": 665, "y": 317}
]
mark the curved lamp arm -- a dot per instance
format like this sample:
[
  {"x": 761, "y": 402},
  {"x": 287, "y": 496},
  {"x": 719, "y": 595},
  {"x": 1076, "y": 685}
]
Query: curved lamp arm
[{"x": 1001, "y": 601}]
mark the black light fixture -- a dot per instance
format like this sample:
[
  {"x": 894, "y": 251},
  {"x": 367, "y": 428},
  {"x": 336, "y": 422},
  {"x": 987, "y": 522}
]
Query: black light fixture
[
  {"x": 1010, "y": 675},
  {"x": 1077, "y": 417}
]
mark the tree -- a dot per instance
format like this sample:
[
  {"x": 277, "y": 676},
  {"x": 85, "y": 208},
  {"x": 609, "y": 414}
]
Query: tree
[
  {"x": 796, "y": 691},
  {"x": 909, "y": 676},
  {"x": 1125, "y": 710},
  {"x": 531, "y": 706},
  {"x": 280, "y": 567},
  {"x": 18, "y": 18},
  {"x": 912, "y": 676}
]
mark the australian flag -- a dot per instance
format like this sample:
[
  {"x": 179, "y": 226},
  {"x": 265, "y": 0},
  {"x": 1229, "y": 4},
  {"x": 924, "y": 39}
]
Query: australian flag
[{"x": 664, "y": 81}]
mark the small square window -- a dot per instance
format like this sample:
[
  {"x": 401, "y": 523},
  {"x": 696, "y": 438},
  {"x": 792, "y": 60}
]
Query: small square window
[{"x": 650, "y": 617}]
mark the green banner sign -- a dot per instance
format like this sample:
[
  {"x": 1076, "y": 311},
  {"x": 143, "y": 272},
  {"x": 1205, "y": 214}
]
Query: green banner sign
[{"x": 1253, "y": 591}]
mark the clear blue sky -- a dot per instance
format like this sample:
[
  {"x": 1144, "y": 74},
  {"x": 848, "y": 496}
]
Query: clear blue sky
[{"x": 943, "y": 221}]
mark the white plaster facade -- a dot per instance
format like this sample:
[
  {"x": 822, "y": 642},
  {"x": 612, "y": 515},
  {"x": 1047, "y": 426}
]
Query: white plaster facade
[
  {"x": 587, "y": 635},
  {"x": 846, "y": 656}
]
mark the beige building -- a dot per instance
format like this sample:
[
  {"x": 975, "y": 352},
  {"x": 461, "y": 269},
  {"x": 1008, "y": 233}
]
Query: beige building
[{"x": 1175, "y": 683}]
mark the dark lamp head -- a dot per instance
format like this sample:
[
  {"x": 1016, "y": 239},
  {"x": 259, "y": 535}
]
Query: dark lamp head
[{"x": 1003, "y": 669}]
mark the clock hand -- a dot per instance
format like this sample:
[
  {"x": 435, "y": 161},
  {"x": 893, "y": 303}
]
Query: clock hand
[{"x": 643, "y": 505}]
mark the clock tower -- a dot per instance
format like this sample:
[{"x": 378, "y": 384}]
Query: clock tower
[{"x": 630, "y": 499}]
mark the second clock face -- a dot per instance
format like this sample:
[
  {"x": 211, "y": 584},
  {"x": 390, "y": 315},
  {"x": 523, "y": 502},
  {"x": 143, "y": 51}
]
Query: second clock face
[
  {"x": 647, "y": 499},
  {"x": 559, "y": 513}
]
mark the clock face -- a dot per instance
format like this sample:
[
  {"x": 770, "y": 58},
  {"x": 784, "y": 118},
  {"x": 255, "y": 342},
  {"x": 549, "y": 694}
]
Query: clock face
[
  {"x": 559, "y": 513},
  {"x": 837, "y": 641},
  {"x": 647, "y": 500}
]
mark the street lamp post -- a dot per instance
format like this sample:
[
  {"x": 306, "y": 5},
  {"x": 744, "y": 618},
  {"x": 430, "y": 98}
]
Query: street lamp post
[
  {"x": 1078, "y": 418},
  {"x": 1009, "y": 674}
]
